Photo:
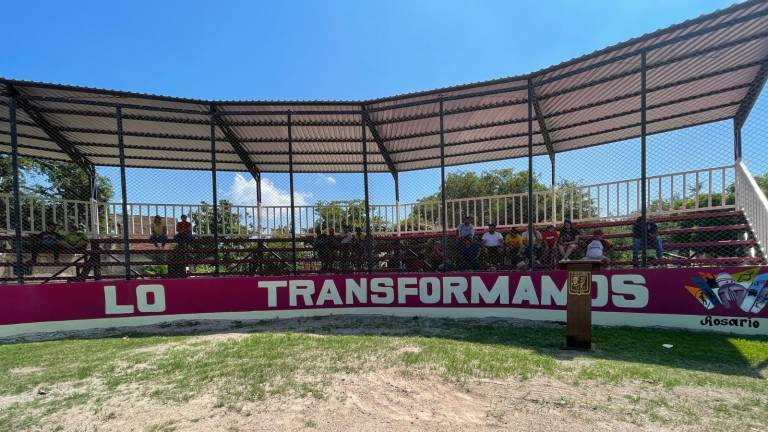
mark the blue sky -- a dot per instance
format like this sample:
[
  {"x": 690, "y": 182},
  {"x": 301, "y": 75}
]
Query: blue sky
[{"x": 329, "y": 50}]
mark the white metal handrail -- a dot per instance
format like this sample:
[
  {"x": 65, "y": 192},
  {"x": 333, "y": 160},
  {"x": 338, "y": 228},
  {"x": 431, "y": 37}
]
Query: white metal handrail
[
  {"x": 752, "y": 201},
  {"x": 695, "y": 190}
]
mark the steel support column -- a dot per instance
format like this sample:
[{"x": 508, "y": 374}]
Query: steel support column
[
  {"x": 124, "y": 194},
  {"x": 531, "y": 237},
  {"x": 258, "y": 206},
  {"x": 215, "y": 197},
  {"x": 397, "y": 203},
  {"x": 368, "y": 242},
  {"x": 290, "y": 181},
  {"x": 554, "y": 191},
  {"x": 736, "y": 141},
  {"x": 443, "y": 218},
  {"x": 643, "y": 161},
  {"x": 17, "y": 246}
]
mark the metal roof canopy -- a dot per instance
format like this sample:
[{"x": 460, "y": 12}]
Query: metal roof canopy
[{"x": 703, "y": 70}]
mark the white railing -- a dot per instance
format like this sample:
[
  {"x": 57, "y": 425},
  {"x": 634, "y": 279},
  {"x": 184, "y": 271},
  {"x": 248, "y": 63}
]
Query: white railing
[
  {"x": 695, "y": 190},
  {"x": 752, "y": 201}
]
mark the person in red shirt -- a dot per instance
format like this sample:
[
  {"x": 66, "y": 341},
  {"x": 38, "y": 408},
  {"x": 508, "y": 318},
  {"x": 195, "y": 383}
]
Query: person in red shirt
[
  {"x": 549, "y": 237},
  {"x": 183, "y": 232}
]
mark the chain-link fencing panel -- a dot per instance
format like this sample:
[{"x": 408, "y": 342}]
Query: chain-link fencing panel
[{"x": 692, "y": 218}]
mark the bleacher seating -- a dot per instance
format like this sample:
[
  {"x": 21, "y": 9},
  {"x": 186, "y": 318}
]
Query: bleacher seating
[{"x": 690, "y": 239}]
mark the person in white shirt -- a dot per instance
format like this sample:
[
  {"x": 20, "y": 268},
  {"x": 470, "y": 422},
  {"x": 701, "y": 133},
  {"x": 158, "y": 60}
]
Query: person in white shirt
[
  {"x": 597, "y": 246},
  {"x": 466, "y": 229},
  {"x": 493, "y": 243}
]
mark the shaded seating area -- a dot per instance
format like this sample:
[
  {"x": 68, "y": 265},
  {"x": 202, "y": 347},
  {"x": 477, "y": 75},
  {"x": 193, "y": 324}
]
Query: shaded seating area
[{"x": 706, "y": 71}]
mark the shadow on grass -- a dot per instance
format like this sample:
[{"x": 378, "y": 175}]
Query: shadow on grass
[{"x": 697, "y": 351}]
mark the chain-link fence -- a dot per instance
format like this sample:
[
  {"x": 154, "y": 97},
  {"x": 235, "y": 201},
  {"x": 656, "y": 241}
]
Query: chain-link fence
[{"x": 75, "y": 229}]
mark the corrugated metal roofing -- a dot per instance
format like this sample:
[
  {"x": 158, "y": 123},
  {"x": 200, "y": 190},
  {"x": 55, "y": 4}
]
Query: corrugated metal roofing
[{"x": 699, "y": 71}]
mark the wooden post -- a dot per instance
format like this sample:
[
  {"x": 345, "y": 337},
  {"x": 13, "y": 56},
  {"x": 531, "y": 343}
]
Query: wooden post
[{"x": 578, "y": 333}]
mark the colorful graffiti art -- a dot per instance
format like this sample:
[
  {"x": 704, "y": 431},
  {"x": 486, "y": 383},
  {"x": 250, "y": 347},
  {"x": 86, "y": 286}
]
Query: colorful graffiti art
[{"x": 746, "y": 290}]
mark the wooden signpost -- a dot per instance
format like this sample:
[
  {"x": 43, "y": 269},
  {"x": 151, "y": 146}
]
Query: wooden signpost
[{"x": 578, "y": 333}]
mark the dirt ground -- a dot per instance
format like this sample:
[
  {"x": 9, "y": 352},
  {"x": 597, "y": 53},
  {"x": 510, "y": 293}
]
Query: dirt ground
[{"x": 389, "y": 399}]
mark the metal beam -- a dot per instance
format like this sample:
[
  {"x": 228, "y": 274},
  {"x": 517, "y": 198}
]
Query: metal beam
[
  {"x": 53, "y": 132},
  {"x": 443, "y": 207},
  {"x": 542, "y": 125},
  {"x": 379, "y": 142},
  {"x": 749, "y": 100},
  {"x": 234, "y": 141},
  {"x": 17, "y": 245},
  {"x": 531, "y": 237}
]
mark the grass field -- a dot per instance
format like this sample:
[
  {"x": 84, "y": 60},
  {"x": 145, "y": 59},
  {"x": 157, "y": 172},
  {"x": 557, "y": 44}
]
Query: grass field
[{"x": 380, "y": 373}]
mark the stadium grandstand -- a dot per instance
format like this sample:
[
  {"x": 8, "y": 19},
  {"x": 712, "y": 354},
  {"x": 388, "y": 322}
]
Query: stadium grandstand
[{"x": 696, "y": 83}]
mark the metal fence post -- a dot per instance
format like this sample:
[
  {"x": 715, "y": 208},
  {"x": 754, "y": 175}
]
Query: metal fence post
[
  {"x": 17, "y": 246},
  {"x": 397, "y": 204},
  {"x": 293, "y": 207},
  {"x": 214, "y": 195},
  {"x": 643, "y": 162},
  {"x": 531, "y": 236},
  {"x": 124, "y": 193},
  {"x": 368, "y": 238},
  {"x": 258, "y": 207},
  {"x": 443, "y": 222}
]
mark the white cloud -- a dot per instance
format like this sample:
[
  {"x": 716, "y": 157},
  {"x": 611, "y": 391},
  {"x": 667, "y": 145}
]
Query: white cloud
[
  {"x": 243, "y": 192},
  {"x": 327, "y": 179}
]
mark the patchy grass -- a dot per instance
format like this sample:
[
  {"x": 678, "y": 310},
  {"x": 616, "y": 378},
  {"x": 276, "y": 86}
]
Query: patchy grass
[{"x": 642, "y": 383}]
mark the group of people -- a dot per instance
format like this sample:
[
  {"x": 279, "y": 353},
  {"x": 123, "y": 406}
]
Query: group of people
[
  {"x": 54, "y": 242},
  {"x": 347, "y": 248},
  {"x": 158, "y": 233},
  {"x": 548, "y": 245}
]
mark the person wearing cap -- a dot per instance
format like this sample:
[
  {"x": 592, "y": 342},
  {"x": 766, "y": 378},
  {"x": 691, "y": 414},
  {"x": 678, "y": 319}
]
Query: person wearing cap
[
  {"x": 493, "y": 243},
  {"x": 568, "y": 240},
  {"x": 597, "y": 247}
]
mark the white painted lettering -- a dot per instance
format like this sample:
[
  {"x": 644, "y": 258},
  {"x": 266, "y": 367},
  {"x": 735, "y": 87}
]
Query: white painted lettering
[
  {"x": 272, "y": 287},
  {"x": 629, "y": 291},
  {"x": 454, "y": 286},
  {"x": 429, "y": 290},
  {"x": 499, "y": 292},
  {"x": 303, "y": 288},
  {"x": 600, "y": 286},
  {"x": 142, "y": 298},
  {"x": 357, "y": 291},
  {"x": 525, "y": 292},
  {"x": 551, "y": 294},
  {"x": 381, "y": 291},
  {"x": 110, "y": 302},
  {"x": 406, "y": 286},
  {"x": 328, "y": 292}
]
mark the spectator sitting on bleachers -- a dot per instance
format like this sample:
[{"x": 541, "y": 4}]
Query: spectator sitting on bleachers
[
  {"x": 47, "y": 241},
  {"x": 325, "y": 245},
  {"x": 597, "y": 247},
  {"x": 347, "y": 248},
  {"x": 183, "y": 232},
  {"x": 158, "y": 232},
  {"x": 75, "y": 238},
  {"x": 569, "y": 239},
  {"x": 493, "y": 243},
  {"x": 549, "y": 245},
  {"x": 654, "y": 240},
  {"x": 537, "y": 244},
  {"x": 465, "y": 229},
  {"x": 513, "y": 246},
  {"x": 468, "y": 254}
]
